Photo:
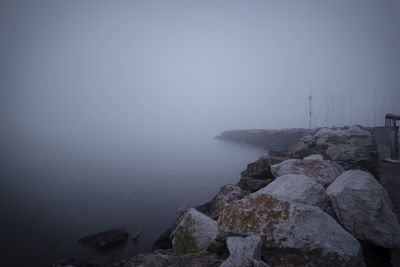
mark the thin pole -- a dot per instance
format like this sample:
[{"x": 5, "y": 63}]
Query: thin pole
[{"x": 309, "y": 124}]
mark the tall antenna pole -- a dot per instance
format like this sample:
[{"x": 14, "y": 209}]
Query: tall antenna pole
[{"x": 309, "y": 124}]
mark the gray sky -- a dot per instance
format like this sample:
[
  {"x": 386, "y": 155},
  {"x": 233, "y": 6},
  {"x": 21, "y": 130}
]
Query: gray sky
[{"x": 120, "y": 68}]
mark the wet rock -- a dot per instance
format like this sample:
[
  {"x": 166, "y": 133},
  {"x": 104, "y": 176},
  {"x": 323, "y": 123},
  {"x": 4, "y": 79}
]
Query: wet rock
[
  {"x": 286, "y": 226},
  {"x": 162, "y": 258},
  {"x": 261, "y": 169},
  {"x": 227, "y": 194},
  {"x": 252, "y": 185},
  {"x": 363, "y": 208},
  {"x": 193, "y": 232},
  {"x": 323, "y": 172},
  {"x": 105, "y": 239},
  {"x": 71, "y": 262},
  {"x": 244, "y": 252},
  {"x": 299, "y": 188}
]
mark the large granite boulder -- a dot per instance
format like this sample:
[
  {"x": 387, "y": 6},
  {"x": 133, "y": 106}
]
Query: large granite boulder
[
  {"x": 244, "y": 252},
  {"x": 105, "y": 239},
  {"x": 162, "y": 258},
  {"x": 261, "y": 169},
  {"x": 323, "y": 172},
  {"x": 193, "y": 232},
  {"x": 363, "y": 208},
  {"x": 296, "y": 233},
  {"x": 299, "y": 188},
  {"x": 227, "y": 194}
]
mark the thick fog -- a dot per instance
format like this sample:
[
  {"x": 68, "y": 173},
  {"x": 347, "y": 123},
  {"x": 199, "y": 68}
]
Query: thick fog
[{"x": 120, "y": 69}]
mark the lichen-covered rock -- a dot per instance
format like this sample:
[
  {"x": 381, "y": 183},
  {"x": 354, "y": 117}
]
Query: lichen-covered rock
[
  {"x": 227, "y": 194},
  {"x": 162, "y": 258},
  {"x": 363, "y": 208},
  {"x": 252, "y": 185},
  {"x": 322, "y": 171},
  {"x": 261, "y": 169},
  {"x": 193, "y": 232},
  {"x": 244, "y": 252},
  {"x": 291, "y": 226},
  {"x": 299, "y": 188}
]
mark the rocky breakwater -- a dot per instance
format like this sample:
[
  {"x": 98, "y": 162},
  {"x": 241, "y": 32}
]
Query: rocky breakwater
[
  {"x": 311, "y": 211},
  {"x": 271, "y": 139}
]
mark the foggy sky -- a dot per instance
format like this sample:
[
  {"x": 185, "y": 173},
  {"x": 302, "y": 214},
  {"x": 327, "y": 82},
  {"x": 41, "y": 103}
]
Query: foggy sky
[{"x": 128, "y": 68}]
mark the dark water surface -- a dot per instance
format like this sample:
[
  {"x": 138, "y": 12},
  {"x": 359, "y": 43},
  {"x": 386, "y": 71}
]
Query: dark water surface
[{"x": 51, "y": 194}]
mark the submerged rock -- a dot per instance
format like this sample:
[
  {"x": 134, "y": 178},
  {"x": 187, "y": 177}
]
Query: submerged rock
[
  {"x": 227, "y": 194},
  {"x": 363, "y": 208},
  {"x": 162, "y": 258},
  {"x": 193, "y": 232},
  {"x": 105, "y": 239},
  {"x": 323, "y": 172},
  {"x": 244, "y": 252},
  {"x": 286, "y": 226},
  {"x": 299, "y": 188}
]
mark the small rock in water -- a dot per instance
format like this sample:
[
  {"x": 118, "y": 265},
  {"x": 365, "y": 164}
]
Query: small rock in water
[
  {"x": 136, "y": 236},
  {"x": 105, "y": 239}
]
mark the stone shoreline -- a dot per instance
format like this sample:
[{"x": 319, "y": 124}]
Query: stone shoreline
[{"x": 315, "y": 202}]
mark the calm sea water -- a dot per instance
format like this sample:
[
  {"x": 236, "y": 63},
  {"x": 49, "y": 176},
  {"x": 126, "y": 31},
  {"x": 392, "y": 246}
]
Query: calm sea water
[{"x": 52, "y": 194}]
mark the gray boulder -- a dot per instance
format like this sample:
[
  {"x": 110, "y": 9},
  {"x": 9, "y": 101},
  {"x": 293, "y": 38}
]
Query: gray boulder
[
  {"x": 244, "y": 252},
  {"x": 227, "y": 194},
  {"x": 291, "y": 227},
  {"x": 193, "y": 232},
  {"x": 323, "y": 172},
  {"x": 363, "y": 208},
  {"x": 299, "y": 188}
]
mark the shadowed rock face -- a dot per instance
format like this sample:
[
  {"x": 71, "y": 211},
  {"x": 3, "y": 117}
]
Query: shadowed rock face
[
  {"x": 261, "y": 169},
  {"x": 105, "y": 239},
  {"x": 364, "y": 208},
  {"x": 285, "y": 224}
]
